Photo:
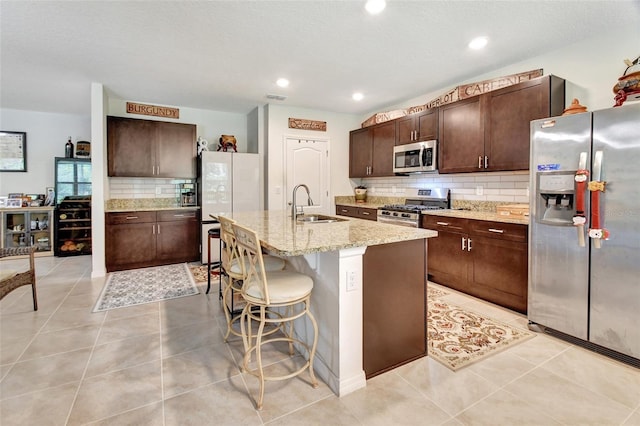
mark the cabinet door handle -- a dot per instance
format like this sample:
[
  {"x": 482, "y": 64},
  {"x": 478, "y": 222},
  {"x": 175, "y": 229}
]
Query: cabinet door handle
[
  {"x": 479, "y": 161},
  {"x": 442, "y": 223},
  {"x": 131, "y": 217},
  {"x": 497, "y": 231},
  {"x": 486, "y": 162},
  {"x": 464, "y": 245},
  {"x": 157, "y": 170},
  {"x": 158, "y": 225},
  {"x": 469, "y": 245},
  {"x": 153, "y": 170}
]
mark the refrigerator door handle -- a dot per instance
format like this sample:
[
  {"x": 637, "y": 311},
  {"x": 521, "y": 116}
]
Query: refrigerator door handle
[
  {"x": 597, "y": 233},
  {"x": 581, "y": 178}
]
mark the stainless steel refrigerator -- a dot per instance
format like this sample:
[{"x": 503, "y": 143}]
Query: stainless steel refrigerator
[
  {"x": 228, "y": 182},
  {"x": 584, "y": 236}
]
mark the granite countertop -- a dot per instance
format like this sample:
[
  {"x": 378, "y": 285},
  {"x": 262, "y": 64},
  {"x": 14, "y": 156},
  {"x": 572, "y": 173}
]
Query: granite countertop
[
  {"x": 477, "y": 210},
  {"x": 116, "y": 205},
  {"x": 476, "y": 215},
  {"x": 281, "y": 236}
]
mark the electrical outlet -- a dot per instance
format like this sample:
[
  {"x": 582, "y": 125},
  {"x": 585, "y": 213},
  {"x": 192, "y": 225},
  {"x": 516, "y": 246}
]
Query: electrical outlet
[
  {"x": 479, "y": 190},
  {"x": 352, "y": 283},
  {"x": 158, "y": 190}
]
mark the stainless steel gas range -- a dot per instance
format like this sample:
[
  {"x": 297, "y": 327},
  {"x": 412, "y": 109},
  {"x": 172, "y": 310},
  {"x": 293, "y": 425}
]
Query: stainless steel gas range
[{"x": 417, "y": 200}]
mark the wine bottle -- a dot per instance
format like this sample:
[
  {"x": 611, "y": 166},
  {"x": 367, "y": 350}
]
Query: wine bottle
[{"x": 68, "y": 149}]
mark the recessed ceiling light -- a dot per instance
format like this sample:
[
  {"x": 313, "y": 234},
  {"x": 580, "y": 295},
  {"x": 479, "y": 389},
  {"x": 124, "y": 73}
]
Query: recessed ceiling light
[
  {"x": 375, "y": 6},
  {"x": 478, "y": 43},
  {"x": 357, "y": 96},
  {"x": 282, "y": 82}
]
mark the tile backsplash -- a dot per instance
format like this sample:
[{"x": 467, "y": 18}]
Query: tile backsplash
[
  {"x": 122, "y": 188},
  {"x": 488, "y": 186}
]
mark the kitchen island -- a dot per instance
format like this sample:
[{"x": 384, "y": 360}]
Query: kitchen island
[{"x": 345, "y": 279}]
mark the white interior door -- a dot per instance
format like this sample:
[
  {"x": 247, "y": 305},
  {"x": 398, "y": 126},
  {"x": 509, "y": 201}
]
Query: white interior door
[{"x": 307, "y": 162}]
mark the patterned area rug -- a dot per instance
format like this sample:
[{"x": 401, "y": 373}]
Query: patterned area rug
[
  {"x": 458, "y": 337},
  {"x": 146, "y": 285},
  {"x": 200, "y": 273}
]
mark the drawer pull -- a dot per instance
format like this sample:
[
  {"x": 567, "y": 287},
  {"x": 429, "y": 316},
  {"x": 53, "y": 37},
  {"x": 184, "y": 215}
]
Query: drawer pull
[
  {"x": 131, "y": 217},
  {"x": 366, "y": 213},
  {"x": 497, "y": 231},
  {"x": 344, "y": 211},
  {"x": 178, "y": 215},
  {"x": 443, "y": 223}
]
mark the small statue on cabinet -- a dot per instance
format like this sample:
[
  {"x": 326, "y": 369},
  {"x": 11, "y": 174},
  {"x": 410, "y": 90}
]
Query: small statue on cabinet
[
  {"x": 226, "y": 142},
  {"x": 203, "y": 145}
]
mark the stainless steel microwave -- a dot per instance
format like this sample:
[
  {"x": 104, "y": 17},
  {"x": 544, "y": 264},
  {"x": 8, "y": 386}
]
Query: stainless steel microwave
[{"x": 419, "y": 157}]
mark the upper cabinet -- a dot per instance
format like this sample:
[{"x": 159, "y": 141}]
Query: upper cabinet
[
  {"x": 418, "y": 127},
  {"x": 509, "y": 113},
  {"x": 371, "y": 150},
  {"x": 490, "y": 132},
  {"x": 461, "y": 141},
  {"x": 147, "y": 148}
]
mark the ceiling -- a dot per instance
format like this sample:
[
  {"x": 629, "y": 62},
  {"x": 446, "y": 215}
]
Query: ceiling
[{"x": 227, "y": 55}]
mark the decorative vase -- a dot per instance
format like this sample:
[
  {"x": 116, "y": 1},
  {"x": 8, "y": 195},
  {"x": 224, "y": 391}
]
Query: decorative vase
[{"x": 361, "y": 195}]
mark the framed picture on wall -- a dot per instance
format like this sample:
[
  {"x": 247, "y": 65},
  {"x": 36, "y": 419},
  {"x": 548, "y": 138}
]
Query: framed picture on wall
[{"x": 13, "y": 151}]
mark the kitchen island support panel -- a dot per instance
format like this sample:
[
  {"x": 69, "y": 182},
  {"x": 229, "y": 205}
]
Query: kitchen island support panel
[{"x": 338, "y": 359}]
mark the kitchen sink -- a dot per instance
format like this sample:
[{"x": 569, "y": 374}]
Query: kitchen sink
[{"x": 318, "y": 218}]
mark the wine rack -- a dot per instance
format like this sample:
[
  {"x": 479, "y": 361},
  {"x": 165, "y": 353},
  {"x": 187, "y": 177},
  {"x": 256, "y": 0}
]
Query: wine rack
[{"x": 73, "y": 226}]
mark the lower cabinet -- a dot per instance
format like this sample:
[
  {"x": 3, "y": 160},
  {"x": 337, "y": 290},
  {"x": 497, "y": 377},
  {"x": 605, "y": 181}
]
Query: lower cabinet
[
  {"x": 481, "y": 258},
  {"x": 149, "y": 238},
  {"x": 359, "y": 212}
]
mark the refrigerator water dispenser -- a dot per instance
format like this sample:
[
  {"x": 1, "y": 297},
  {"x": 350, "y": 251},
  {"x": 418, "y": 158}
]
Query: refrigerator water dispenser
[{"x": 555, "y": 198}]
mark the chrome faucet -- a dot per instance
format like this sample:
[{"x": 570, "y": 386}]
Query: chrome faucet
[{"x": 294, "y": 207}]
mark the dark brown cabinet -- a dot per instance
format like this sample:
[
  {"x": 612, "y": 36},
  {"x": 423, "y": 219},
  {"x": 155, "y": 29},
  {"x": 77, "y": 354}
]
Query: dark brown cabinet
[
  {"x": 371, "y": 150},
  {"x": 461, "y": 136},
  {"x": 482, "y": 258},
  {"x": 358, "y": 212},
  {"x": 509, "y": 113},
  {"x": 490, "y": 132},
  {"x": 422, "y": 126},
  {"x": 394, "y": 306},
  {"x": 177, "y": 236},
  {"x": 146, "y": 148},
  {"x": 449, "y": 262},
  {"x": 149, "y": 238}
]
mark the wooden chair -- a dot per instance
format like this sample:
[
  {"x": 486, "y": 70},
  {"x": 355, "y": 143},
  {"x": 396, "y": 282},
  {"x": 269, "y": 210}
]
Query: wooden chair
[
  {"x": 286, "y": 292},
  {"x": 10, "y": 279}
]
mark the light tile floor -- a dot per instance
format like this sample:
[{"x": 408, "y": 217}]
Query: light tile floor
[{"x": 166, "y": 364}]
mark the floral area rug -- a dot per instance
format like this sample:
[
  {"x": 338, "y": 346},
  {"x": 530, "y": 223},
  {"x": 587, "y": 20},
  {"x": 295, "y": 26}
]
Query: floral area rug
[
  {"x": 200, "y": 273},
  {"x": 146, "y": 285},
  {"x": 458, "y": 337}
]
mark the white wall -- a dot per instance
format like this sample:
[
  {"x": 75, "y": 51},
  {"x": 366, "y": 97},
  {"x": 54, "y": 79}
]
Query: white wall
[
  {"x": 338, "y": 127},
  {"x": 47, "y": 133},
  {"x": 590, "y": 67}
]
